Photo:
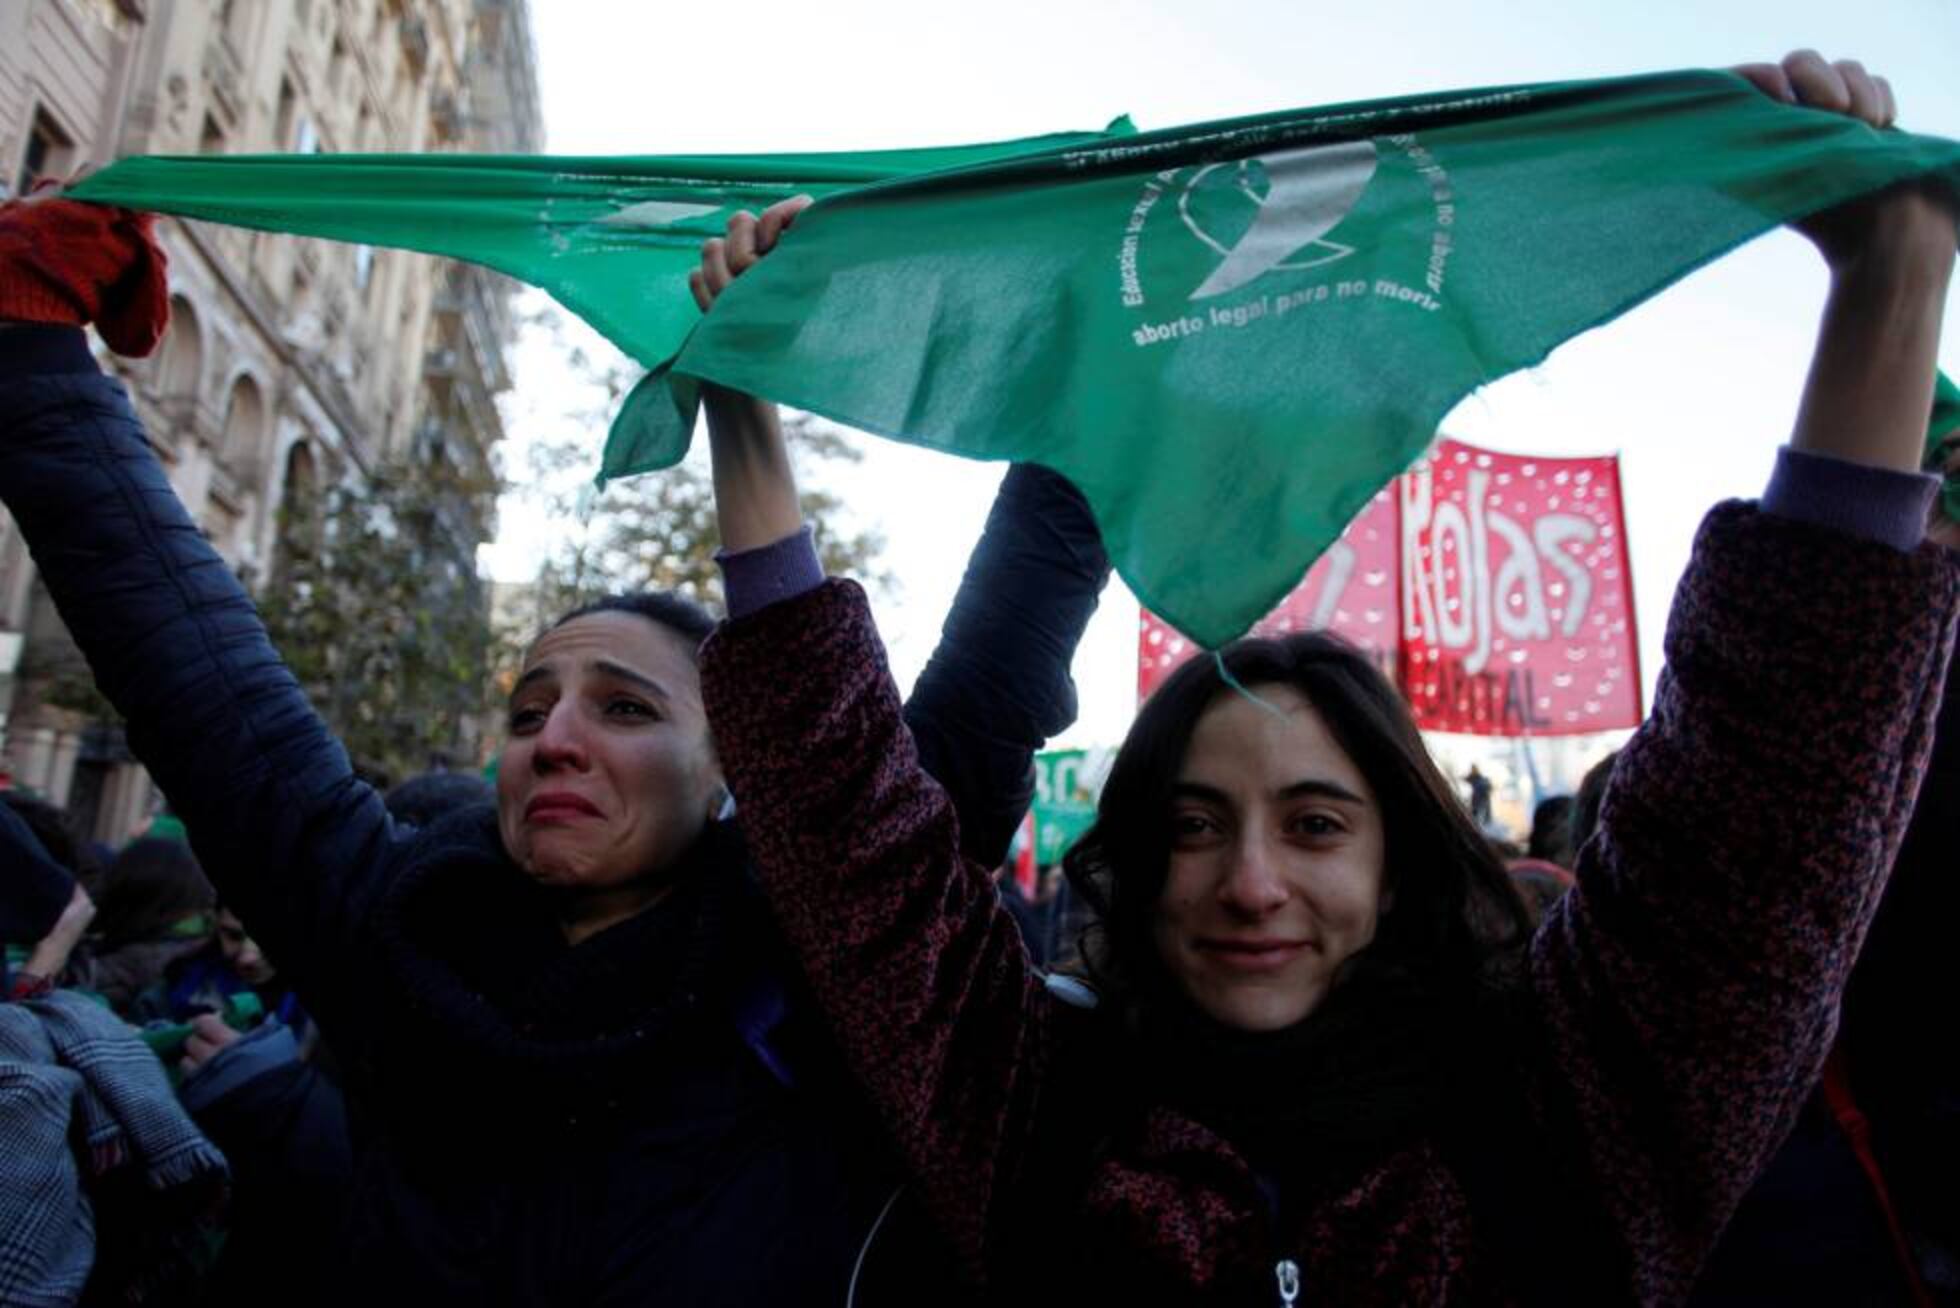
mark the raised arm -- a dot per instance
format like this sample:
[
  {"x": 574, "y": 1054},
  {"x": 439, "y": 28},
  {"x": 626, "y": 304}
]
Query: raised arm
[
  {"x": 919, "y": 969},
  {"x": 278, "y": 819},
  {"x": 997, "y": 685},
  {"x": 1691, "y": 982}
]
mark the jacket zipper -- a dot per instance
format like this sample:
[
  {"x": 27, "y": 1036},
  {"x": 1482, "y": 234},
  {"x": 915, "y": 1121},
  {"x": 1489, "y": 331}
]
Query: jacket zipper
[{"x": 1287, "y": 1272}]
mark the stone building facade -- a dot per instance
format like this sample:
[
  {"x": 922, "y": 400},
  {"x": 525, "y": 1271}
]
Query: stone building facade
[{"x": 290, "y": 364}]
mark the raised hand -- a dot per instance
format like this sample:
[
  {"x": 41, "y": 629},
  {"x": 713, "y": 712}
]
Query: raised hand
[
  {"x": 1891, "y": 257},
  {"x": 1806, "y": 77},
  {"x": 723, "y": 259},
  {"x": 755, "y": 488},
  {"x": 70, "y": 264},
  {"x": 1902, "y": 219}
]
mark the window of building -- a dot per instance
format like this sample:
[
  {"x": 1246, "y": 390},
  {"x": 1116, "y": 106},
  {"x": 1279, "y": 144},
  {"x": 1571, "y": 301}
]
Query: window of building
[
  {"x": 299, "y": 511},
  {"x": 180, "y": 364},
  {"x": 50, "y": 152},
  {"x": 244, "y": 423},
  {"x": 288, "y": 112},
  {"x": 363, "y": 266}
]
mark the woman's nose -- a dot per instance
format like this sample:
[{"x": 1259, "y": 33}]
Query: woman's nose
[
  {"x": 1253, "y": 885},
  {"x": 560, "y": 742}
]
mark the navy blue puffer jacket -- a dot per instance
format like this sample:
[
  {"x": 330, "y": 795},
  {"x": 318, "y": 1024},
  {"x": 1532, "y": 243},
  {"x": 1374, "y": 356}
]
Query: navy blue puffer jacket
[{"x": 645, "y": 1117}]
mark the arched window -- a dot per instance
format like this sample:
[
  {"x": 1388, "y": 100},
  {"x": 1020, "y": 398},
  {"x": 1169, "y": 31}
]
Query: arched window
[
  {"x": 244, "y": 423},
  {"x": 299, "y": 510},
  {"x": 180, "y": 364}
]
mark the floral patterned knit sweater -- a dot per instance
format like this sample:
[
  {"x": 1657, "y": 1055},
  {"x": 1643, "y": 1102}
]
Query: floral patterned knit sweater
[{"x": 1683, "y": 996}]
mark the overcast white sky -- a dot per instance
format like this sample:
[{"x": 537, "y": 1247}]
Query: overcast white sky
[{"x": 1695, "y": 389}]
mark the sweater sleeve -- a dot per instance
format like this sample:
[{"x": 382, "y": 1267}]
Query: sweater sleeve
[
  {"x": 997, "y": 685},
  {"x": 1877, "y": 504},
  {"x": 295, "y": 843},
  {"x": 905, "y": 944},
  {"x": 1691, "y": 981},
  {"x": 783, "y": 569}
]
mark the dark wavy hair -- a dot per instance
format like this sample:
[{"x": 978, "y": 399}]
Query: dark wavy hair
[
  {"x": 1551, "y": 831},
  {"x": 1455, "y": 928},
  {"x": 663, "y": 608}
]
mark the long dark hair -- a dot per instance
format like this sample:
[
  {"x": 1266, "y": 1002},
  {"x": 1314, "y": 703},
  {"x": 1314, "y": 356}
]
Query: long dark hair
[{"x": 1455, "y": 926}]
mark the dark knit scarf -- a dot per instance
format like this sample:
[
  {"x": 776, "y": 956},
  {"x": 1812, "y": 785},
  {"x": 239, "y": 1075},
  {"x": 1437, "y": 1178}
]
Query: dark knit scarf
[
  {"x": 505, "y": 1005},
  {"x": 1370, "y": 1070},
  {"x": 1387, "y": 1061}
]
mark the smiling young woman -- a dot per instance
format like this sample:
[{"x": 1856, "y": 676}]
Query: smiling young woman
[
  {"x": 1328, "y": 1063},
  {"x": 1275, "y": 869},
  {"x": 1254, "y": 846}
]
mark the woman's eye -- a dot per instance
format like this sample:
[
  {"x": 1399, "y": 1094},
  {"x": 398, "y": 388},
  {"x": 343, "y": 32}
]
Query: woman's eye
[
  {"x": 1317, "y": 824},
  {"x": 1191, "y": 826},
  {"x": 525, "y": 719},
  {"x": 629, "y": 708}
]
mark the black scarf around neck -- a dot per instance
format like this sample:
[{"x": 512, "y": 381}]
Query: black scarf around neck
[
  {"x": 477, "y": 951},
  {"x": 1366, "y": 1072}
]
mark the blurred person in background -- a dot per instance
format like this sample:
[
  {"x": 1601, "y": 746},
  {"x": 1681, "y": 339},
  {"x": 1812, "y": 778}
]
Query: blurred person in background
[{"x": 155, "y": 908}]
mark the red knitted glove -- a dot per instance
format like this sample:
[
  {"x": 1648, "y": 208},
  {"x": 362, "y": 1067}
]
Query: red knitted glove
[{"x": 62, "y": 261}]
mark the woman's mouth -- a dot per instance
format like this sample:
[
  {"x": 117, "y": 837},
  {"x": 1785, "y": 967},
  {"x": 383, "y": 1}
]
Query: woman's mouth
[
  {"x": 1255, "y": 954},
  {"x": 559, "y": 806}
]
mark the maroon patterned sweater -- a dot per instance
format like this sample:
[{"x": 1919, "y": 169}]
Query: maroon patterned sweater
[{"x": 1683, "y": 996}]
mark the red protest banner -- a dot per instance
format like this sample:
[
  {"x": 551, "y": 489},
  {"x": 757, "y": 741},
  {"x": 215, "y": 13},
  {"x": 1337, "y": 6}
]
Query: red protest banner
[{"x": 1493, "y": 587}]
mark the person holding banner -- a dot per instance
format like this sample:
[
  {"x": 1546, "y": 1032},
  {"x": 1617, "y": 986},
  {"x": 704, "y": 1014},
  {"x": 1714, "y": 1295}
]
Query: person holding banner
[
  {"x": 1323, "y": 1060},
  {"x": 583, "y": 1062}
]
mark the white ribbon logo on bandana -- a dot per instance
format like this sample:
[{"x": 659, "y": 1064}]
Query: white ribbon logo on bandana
[{"x": 1308, "y": 191}]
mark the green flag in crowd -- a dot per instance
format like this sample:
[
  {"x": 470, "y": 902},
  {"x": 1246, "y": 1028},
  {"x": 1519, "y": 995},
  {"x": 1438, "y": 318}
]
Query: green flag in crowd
[
  {"x": 1228, "y": 335},
  {"x": 1944, "y": 429},
  {"x": 1064, "y": 801}
]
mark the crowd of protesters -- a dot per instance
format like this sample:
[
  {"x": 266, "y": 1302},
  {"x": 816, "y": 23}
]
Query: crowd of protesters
[{"x": 716, "y": 996}]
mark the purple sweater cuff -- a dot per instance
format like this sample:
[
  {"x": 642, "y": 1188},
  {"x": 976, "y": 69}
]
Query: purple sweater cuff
[
  {"x": 754, "y": 579},
  {"x": 1875, "y": 504}
]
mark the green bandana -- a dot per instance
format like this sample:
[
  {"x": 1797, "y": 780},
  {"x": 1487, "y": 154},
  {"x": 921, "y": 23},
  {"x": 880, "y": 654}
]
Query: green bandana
[
  {"x": 612, "y": 239},
  {"x": 1228, "y": 335}
]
